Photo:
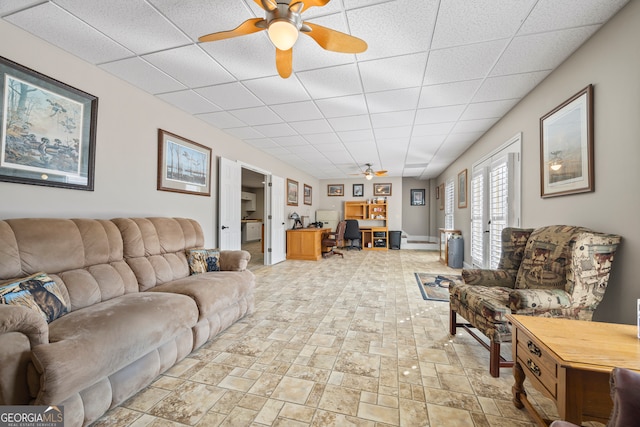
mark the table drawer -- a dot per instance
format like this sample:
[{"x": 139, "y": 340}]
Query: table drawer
[{"x": 536, "y": 362}]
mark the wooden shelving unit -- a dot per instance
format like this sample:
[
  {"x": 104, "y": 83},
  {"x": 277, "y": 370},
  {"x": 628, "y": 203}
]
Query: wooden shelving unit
[{"x": 372, "y": 218}]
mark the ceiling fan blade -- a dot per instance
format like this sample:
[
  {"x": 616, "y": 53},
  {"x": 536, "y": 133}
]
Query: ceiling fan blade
[
  {"x": 335, "y": 40},
  {"x": 312, "y": 3},
  {"x": 380, "y": 173},
  {"x": 268, "y": 5},
  {"x": 247, "y": 27},
  {"x": 284, "y": 61}
]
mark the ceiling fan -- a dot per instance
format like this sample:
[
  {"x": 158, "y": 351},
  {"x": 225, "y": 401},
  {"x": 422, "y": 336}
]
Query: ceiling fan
[
  {"x": 283, "y": 22},
  {"x": 369, "y": 173}
]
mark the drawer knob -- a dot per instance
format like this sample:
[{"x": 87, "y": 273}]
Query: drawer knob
[
  {"x": 534, "y": 349},
  {"x": 533, "y": 367}
]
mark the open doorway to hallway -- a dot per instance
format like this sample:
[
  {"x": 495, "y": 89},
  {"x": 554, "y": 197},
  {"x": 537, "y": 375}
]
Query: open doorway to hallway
[{"x": 253, "y": 216}]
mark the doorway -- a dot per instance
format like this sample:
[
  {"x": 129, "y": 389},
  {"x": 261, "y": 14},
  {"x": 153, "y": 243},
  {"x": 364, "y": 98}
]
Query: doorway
[{"x": 253, "y": 214}]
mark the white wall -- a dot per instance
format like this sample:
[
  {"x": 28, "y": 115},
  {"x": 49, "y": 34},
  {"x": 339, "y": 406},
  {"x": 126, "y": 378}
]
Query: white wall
[
  {"x": 610, "y": 61},
  {"x": 126, "y": 148}
]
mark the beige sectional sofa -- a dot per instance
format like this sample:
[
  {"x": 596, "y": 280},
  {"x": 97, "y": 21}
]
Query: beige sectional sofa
[{"x": 110, "y": 304}]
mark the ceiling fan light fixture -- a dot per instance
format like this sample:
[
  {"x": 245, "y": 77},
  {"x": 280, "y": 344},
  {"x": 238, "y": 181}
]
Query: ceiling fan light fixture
[
  {"x": 283, "y": 34},
  {"x": 368, "y": 175}
]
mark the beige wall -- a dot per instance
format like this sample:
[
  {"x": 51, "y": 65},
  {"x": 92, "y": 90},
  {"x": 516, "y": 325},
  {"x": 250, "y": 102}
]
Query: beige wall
[
  {"x": 126, "y": 148},
  {"x": 610, "y": 61},
  {"x": 416, "y": 219}
]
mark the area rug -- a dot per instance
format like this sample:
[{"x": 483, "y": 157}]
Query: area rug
[{"x": 435, "y": 287}]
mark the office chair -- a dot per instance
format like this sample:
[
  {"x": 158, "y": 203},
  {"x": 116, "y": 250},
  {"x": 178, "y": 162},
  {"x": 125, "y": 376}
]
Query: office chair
[
  {"x": 334, "y": 239},
  {"x": 352, "y": 233}
]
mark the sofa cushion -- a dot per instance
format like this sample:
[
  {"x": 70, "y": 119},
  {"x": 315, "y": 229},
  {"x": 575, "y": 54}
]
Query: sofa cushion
[
  {"x": 203, "y": 260},
  {"x": 38, "y": 292},
  {"x": 92, "y": 343},
  {"x": 213, "y": 291}
]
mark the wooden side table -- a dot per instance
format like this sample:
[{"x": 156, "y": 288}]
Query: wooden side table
[
  {"x": 570, "y": 361},
  {"x": 444, "y": 236}
]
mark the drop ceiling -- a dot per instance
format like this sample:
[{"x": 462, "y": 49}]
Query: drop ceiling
[{"x": 436, "y": 76}]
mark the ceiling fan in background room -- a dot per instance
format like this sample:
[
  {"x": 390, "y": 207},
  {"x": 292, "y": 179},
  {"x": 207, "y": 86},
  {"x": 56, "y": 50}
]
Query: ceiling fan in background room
[
  {"x": 283, "y": 22},
  {"x": 369, "y": 173}
]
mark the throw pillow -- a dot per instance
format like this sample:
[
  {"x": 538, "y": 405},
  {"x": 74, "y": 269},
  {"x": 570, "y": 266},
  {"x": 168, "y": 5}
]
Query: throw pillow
[
  {"x": 203, "y": 260},
  {"x": 38, "y": 292}
]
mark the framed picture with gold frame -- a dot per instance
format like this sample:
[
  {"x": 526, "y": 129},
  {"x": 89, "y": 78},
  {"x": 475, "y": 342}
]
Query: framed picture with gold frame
[
  {"x": 292, "y": 192},
  {"x": 184, "y": 166},
  {"x": 462, "y": 189},
  {"x": 307, "y": 194}
]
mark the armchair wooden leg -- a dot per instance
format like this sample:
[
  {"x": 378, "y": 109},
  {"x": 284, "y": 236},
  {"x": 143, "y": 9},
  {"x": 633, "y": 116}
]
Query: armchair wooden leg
[
  {"x": 452, "y": 322},
  {"x": 494, "y": 359}
]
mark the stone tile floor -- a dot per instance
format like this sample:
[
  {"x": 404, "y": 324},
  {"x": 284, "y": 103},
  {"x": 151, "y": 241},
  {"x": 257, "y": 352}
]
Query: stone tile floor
[{"x": 338, "y": 342}]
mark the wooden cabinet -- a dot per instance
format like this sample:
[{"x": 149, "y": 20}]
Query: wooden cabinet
[
  {"x": 372, "y": 219},
  {"x": 305, "y": 243}
]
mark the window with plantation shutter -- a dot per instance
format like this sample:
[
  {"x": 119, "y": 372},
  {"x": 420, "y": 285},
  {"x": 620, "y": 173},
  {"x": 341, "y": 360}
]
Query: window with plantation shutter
[
  {"x": 495, "y": 202},
  {"x": 448, "y": 204},
  {"x": 476, "y": 190}
]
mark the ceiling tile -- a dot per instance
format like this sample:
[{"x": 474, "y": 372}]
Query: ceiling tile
[
  {"x": 276, "y": 90},
  {"x": 275, "y": 130},
  {"x": 448, "y": 94},
  {"x": 53, "y": 24},
  {"x": 478, "y": 125},
  {"x": 257, "y": 116},
  {"x": 323, "y": 138},
  {"x": 222, "y": 120},
  {"x": 350, "y": 123},
  {"x": 438, "y": 114},
  {"x": 133, "y": 23},
  {"x": 393, "y": 100},
  {"x": 550, "y": 15},
  {"x": 230, "y": 96},
  {"x": 261, "y": 143},
  {"x": 244, "y": 132},
  {"x": 395, "y": 132},
  {"x": 393, "y": 119},
  {"x": 463, "y": 63},
  {"x": 143, "y": 75},
  {"x": 538, "y": 52},
  {"x": 297, "y": 111},
  {"x": 10, "y": 6},
  {"x": 433, "y": 129},
  {"x": 202, "y": 70},
  {"x": 462, "y": 22},
  {"x": 356, "y": 135},
  {"x": 246, "y": 57},
  {"x": 189, "y": 101},
  {"x": 393, "y": 73},
  {"x": 487, "y": 110},
  {"x": 290, "y": 141},
  {"x": 394, "y": 28},
  {"x": 508, "y": 87},
  {"x": 343, "y": 106},
  {"x": 311, "y": 126},
  {"x": 331, "y": 82}
]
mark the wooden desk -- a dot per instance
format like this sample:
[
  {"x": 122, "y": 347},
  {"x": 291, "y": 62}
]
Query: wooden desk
[
  {"x": 305, "y": 243},
  {"x": 570, "y": 361}
]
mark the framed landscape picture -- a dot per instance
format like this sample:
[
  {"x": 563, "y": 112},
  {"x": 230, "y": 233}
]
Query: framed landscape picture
[
  {"x": 335, "y": 189},
  {"x": 307, "y": 195},
  {"x": 292, "y": 192},
  {"x": 48, "y": 132},
  {"x": 566, "y": 147},
  {"x": 381, "y": 189},
  {"x": 183, "y": 166}
]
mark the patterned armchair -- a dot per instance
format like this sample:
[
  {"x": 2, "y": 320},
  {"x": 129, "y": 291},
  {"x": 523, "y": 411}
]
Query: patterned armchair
[{"x": 554, "y": 271}]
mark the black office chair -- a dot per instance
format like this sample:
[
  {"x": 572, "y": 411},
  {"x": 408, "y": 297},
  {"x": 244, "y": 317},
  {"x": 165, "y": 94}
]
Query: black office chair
[{"x": 352, "y": 233}]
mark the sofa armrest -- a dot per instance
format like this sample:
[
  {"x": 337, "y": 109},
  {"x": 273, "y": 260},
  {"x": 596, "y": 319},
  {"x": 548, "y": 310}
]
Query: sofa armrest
[
  {"x": 14, "y": 318},
  {"x": 492, "y": 278},
  {"x": 234, "y": 260},
  {"x": 538, "y": 300}
]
